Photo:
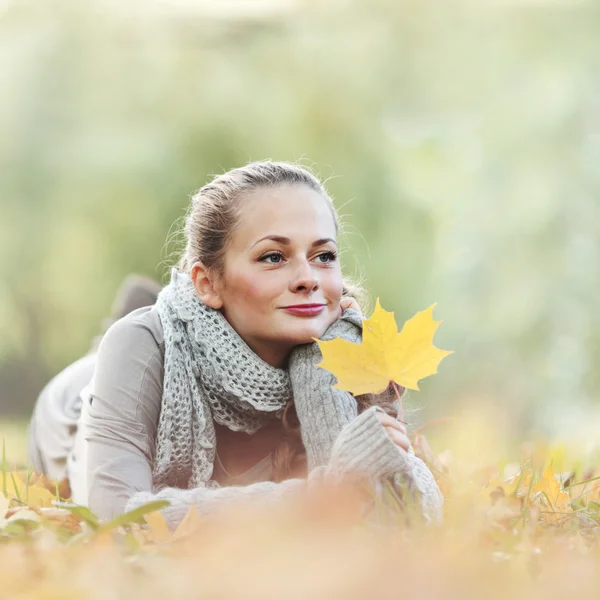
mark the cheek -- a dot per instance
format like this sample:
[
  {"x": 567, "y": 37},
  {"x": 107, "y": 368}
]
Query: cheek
[
  {"x": 335, "y": 286},
  {"x": 248, "y": 290},
  {"x": 253, "y": 292}
]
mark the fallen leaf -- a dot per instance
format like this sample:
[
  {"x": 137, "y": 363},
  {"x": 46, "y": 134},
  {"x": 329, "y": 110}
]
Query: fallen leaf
[
  {"x": 60, "y": 517},
  {"x": 4, "y": 505},
  {"x": 188, "y": 525},
  {"x": 159, "y": 531},
  {"x": 19, "y": 492},
  {"x": 24, "y": 514},
  {"x": 505, "y": 511},
  {"x": 517, "y": 486},
  {"x": 423, "y": 451},
  {"x": 384, "y": 355},
  {"x": 550, "y": 493}
]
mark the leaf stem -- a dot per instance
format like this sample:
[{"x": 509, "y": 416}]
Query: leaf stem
[{"x": 399, "y": 398}]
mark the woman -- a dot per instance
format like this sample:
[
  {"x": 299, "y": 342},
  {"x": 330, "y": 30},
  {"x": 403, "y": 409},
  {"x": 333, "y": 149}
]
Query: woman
[{"x": 193, "y": 400}]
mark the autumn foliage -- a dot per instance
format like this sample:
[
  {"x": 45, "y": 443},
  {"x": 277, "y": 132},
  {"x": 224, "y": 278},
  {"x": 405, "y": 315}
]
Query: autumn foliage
[{"x": 526, "y": 528}]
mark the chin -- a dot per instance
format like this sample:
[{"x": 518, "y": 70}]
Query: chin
[{"x": 308, "y": 335}]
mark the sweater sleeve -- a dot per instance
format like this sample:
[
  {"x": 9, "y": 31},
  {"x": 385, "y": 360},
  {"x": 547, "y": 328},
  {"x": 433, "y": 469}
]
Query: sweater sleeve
[
  {"x": 322, "y": 410},
  {"x": 119, "y": 421},
  {"x": 364, "y": 448},
  {"x": 419, "y": 482}
]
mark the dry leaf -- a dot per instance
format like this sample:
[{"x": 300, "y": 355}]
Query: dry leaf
[
  {"x": 4, "y": 506},
  {"x": 423, "y": 451},
  {"x": 517, "y": 486},
  {"x": 22, "y": 513},
  {"x": 159, "y": 531},
  {"x": 549, "y": 489},
  {"x": 188, "y": 525},
  {"x": 17, "y": 490},
  {"x": 384, "y": 355}
]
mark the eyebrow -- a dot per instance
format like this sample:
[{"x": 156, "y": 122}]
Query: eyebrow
[{"x": 285, "y": 241}]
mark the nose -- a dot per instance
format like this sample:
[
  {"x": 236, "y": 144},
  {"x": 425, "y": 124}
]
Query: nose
[{"x": 304, "y": 279}]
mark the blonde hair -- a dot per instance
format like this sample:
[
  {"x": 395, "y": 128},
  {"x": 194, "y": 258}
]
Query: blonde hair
[{"x": 213, "y": 216}]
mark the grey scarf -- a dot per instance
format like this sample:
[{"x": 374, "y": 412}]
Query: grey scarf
[{"x": 210, "y": 374}]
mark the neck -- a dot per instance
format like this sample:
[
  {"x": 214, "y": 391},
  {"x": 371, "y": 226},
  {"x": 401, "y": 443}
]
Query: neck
[{"x": 276, "y": 357}]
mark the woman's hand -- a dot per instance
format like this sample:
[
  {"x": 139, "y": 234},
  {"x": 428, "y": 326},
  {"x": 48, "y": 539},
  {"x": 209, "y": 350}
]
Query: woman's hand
[
  {"x": 348, "y": 302},
  {"x": 395, "y": 430}
]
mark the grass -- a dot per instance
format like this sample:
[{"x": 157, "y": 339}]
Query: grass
[
  {"x": 14, "y": 435},
  {"x": 507, "y": 532}
]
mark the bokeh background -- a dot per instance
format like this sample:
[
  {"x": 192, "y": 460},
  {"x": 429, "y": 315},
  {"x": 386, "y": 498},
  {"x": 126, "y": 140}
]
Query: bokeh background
[{"x": 460, "y": 140}]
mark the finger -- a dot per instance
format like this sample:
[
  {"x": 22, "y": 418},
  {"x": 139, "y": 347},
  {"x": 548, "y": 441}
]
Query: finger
[
  {"x": 400, "y": 440},
  {"x": 346, "y": 303},
  {"x": 388, "y": 421},
  {"x": 354, "y": 305}
]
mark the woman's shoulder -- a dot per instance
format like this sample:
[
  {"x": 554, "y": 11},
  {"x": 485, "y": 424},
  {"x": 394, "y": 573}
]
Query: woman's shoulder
[{"x": 140, "y": 331}]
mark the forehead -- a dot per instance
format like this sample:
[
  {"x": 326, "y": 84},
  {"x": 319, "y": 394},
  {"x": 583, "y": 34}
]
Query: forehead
[{"x": 293, "y": 211}]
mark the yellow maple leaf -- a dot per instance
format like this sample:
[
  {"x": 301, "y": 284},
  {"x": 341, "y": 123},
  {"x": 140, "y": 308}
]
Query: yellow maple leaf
[
  {"x": 384, "y": 355},
  {"x": 560, "y": 502},
  {"x": 517, "y": 486},
  {"x": 20, "y": 493}
]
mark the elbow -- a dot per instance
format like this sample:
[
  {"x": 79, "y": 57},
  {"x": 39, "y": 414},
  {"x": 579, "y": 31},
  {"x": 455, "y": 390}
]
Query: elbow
[{"x": 104, "y": 499}]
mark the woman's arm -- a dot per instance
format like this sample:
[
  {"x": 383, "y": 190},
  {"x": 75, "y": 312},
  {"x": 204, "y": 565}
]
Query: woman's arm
[
  {"x": 323, "y": 412},
  {"x": 362, "y": 448},
  {"x": 120, "y": 419}
]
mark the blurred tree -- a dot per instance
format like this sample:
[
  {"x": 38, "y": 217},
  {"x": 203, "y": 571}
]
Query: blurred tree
[{"x": 460, "y": 140}]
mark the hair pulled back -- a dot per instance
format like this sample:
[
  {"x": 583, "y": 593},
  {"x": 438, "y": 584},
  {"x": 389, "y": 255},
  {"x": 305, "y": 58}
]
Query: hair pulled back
[
  {"x": 217, "y": 207},
  {"x": 214, "y": 214}
]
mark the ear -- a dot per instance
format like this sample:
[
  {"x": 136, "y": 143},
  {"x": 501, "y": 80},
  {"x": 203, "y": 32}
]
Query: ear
[{"x": 204, "y": 284}]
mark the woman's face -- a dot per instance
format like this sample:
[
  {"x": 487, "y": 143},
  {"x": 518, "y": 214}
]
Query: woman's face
[{"x": 282, "y": 283}]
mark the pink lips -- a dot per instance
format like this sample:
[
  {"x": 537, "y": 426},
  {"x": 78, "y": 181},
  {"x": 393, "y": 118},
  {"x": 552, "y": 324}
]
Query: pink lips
[{"x": 305, "y": 310}]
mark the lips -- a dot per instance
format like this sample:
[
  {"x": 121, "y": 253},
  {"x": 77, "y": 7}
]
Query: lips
[{"x": 305, "y": 310}]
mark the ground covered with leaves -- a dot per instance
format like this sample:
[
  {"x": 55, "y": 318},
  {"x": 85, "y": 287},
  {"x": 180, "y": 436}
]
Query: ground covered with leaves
[{"x": 526, "y": 528}]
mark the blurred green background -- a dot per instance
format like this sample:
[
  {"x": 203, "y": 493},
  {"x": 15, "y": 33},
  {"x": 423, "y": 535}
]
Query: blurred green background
[{"x": 460, "y": 140}]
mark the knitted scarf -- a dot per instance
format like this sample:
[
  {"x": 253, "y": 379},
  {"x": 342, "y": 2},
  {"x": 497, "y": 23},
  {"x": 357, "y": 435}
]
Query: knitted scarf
[{"x": 210, "y": 374}]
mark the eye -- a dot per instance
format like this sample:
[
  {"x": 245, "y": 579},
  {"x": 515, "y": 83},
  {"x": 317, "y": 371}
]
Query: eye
[
  {"x": 272, "y": 258},
  {"x": 326, "y": 257}
]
